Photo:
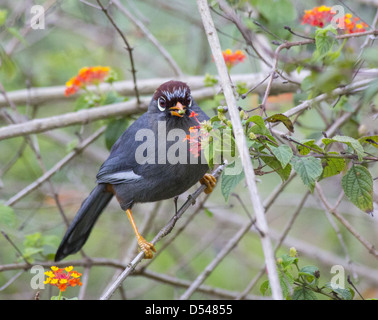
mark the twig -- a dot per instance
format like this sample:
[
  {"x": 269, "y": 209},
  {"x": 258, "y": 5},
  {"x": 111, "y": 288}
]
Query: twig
[
  {"x": 242, "y": 147},
  {"x": 58, "y": 166},
  {"x": 288, "y": 45},
  {"x": 245, "y": 32},
  {"x": 128, "y": 48},
  {"x": 214, "y": 263},
  {"x": 176, "y": 69},
  {"x": 370, "y": 247},
  {"x": 163, "y": 232}
]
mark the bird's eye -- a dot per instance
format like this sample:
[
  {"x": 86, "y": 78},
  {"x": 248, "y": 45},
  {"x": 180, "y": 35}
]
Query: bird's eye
[
  {"x": 162, "y": 104},
  {"x": 189, "y": 102}
]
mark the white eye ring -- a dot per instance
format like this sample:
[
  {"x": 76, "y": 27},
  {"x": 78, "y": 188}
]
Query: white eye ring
[{"x": 162, "y": 103}]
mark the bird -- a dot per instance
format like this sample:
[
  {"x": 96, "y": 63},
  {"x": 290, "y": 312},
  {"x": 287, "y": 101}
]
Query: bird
[{"x": 150, "y": 161}]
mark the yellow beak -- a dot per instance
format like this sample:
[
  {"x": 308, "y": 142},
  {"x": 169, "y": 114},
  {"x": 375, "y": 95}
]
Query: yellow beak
[{"x": 178, "y": 110}]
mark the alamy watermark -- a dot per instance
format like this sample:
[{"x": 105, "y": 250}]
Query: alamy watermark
[
  {"x": 175, "y": 146},
  {"x": 37, "y": 17}
]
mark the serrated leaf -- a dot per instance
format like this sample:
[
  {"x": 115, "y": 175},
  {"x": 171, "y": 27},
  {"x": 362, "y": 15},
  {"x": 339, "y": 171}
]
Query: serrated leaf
[
  {"x": 346, "y": 293},
  {"x": 332, "y": 166},
  {"x": 264, "y": 287},
  {"x": 372, "y": 140},
  {"x": 353, "y": 143},
  {"x": 273, "y": 163},
  {"x": 357, "y": 184},
  {"x": 286, "y": 282},
  {"x": 309, "y": 169},
  {"x": 259, "y": 127},
  {"x": 309, "y": 143},
  {"x": 310, "y": 273},
  {"x": 302, "y": 293},
  {"x": 229, "y": 182},
  {"x": 323, "y": 41},
  {"x": 288, "y": 260},
  {"x": 283, "y": 153},
  {"x": 279, "y": 117}
]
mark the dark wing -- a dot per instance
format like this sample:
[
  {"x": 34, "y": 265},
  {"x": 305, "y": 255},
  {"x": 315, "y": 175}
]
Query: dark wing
[{"x": 121, "y": 165}]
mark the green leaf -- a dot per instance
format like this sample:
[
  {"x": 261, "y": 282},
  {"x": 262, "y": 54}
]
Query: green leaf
[
  {"x": 264, "y": 288},
  {"x": 332, "y": 166},
  {"x": 283, "y": 153},
  {"x": 14, "y": 32},
  {"x": 353, "y": 143},
  {"x": 286, "y": 282},
  {"x": 276, "y": 11},
  {"x": 3, "y": 16},
  {"x": 208, "y": 213},
  {"x": 309, "y": 169},
  {"x": 310, "y": 274},
  {"x": 113, "y": 97},
  {"x": 372, "y": 140},
  {"x": 323, "y": 41},
  {"x": 309, "y": 143},
  {"x": 7, "y": 216},
  {"x": 346, "y": 293},
  {"x": 113, "y": 131},
  {"x": 357, "y": 184},
  {"x": 209, "y": 80},
  {"x": 279, "y": 117},
  {"x": 287, "y": 260},
  {"x": 273, "y": 163},
  {"x": 259, "y": 127},
  {"x": 229, "y": 182},
  {"x": 302, "y": 293}
]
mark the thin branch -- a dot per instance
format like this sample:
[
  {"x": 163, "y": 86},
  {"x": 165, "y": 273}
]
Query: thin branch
[
  {"x": 58, "y": 166},
  {"x": 242, "y": 146},
  {"x": 217, "y": 260},
  {"x": 370, "y": 247},
  {"x": 128, "y": 48},
  {"x": 176, "y": 69}
]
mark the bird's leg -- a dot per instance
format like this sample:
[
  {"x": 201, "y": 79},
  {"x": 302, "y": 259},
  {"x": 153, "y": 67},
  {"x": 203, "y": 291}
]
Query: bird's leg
[
  {"x": 143, "y": 244},
  {"x": 209, "y": 181}
]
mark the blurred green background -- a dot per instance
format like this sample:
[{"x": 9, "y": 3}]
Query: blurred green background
[{"x": 77, "y": 34}]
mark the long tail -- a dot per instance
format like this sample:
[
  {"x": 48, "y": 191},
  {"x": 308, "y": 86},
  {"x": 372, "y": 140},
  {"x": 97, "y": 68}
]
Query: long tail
[{"x": 80, "y": 228}]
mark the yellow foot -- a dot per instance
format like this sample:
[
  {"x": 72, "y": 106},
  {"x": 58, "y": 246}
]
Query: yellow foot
[
  {"x": 147, "y": 247},
  {"x": 209, "y": 181}
]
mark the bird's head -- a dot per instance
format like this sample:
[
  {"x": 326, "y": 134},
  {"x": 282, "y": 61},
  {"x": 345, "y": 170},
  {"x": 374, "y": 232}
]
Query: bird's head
[{"x": 172, "y": 100}]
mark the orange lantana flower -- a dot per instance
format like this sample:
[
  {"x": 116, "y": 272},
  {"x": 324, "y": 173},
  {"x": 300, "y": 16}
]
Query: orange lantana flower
[
  {"x": 86, "y": 76},
  {"x": 62, "y": 278},
  {"x": 233, "y": 58},
  {"x": 321, "y": 16},
  {"x": 196, "y": 136}
]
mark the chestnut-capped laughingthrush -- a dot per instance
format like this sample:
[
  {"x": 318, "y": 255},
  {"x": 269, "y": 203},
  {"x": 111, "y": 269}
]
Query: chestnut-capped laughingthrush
[{"x": 141, "y": 166}]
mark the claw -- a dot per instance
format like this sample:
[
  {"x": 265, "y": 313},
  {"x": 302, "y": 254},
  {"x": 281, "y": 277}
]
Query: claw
[
  {"x": 209, "y": 181},
  {"x": 147, "y": 247}
]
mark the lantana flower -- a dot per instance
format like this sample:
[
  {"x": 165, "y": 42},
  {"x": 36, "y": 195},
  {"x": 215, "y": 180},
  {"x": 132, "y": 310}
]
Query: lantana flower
[
  {"x": 196, "y": 135},
  {"x": 63, "y": 278},
  {"x": 233, "y": 58},
  {"x": 86, "y": 76},
  {"x": 321, "y": 16}
]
